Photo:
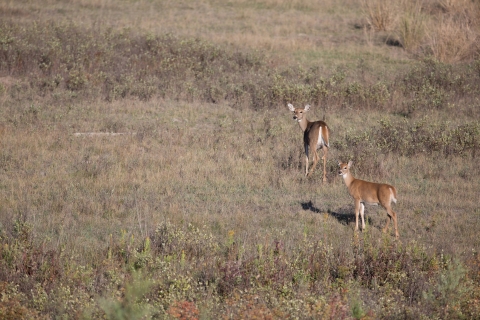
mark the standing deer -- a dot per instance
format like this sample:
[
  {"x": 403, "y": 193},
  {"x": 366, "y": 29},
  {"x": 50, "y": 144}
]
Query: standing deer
[
  {"x": 315, "y": 136},
  {"x": 371, "y": 193}
]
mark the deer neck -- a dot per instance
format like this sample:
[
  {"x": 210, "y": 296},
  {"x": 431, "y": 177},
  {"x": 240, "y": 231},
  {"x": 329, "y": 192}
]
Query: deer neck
[
  {"x": 303, "y": 124},
  {"x": 348, "y": 178}
]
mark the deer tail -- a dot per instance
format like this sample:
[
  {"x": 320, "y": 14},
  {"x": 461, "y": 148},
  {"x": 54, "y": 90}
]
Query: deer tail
[{"x": 393, "y": 194}]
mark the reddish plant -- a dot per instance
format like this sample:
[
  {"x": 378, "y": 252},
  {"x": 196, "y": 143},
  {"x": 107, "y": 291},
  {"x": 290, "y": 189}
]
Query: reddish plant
[{"x": 184, "y": 310}]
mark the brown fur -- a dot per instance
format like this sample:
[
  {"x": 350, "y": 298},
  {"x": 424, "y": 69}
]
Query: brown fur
[
  {"x": 311, "y": 131},
  {"x": 365, "y": 192}
]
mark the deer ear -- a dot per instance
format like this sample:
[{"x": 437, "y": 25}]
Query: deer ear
[
  {"x": 291, "y": 107},
  {"x": 307, "y": 107},
  {"x": 339, "y": 162},
  {"x": 349, "y": 164}
]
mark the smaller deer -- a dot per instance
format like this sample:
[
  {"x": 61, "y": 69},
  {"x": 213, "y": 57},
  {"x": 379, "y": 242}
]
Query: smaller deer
[
  {"x": 315, "y": 136},
  {"x": 371, "y": 193}
]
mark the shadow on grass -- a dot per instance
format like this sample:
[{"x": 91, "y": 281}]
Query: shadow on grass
[{"x": 343, "y": 215}]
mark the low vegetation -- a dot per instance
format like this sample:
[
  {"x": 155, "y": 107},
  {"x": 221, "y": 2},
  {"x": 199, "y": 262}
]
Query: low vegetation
[{"x": 189, "y": 201}]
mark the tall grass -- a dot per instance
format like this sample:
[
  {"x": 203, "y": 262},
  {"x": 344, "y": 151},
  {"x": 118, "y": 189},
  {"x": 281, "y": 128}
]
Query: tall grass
[
  {"x": 453, "y": 40},
  {"x": 381, "y": 15},
  {"x": 412, "y": 25},
  {"x": 446, "y": 30}
]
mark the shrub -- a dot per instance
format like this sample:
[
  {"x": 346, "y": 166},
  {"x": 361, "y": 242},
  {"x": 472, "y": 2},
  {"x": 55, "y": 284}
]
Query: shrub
[
  {"x": 452, "y": 289},
  {"x": 184, "y": 310}
]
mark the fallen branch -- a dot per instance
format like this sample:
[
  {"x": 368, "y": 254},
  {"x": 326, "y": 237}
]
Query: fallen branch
[{"x": 90, "y": 134}]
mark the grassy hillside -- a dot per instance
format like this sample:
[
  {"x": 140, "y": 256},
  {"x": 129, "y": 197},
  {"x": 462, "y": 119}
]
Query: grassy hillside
[{"x": 150, "y": 167}]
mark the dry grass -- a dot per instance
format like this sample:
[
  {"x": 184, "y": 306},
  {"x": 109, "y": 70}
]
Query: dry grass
[
  {"x": 454, "y": 39},
  {"x": 189, "y": 166},
  {"x": 381, "y": 15},
  {"x": 446, "y": 30},
  {"x": 285, "y": 28},
  {"x": 206, "y": 172},
  {"x": 204, "y": 211},
  {"x": 411, "y": 26}
]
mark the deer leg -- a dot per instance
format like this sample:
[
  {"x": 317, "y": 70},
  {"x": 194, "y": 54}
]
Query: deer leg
[
  {"x": 306, "y": 160},
  {"x": 362, "y": 214},
  {"x": 389, "y": 217},
  {"x": 315, "y": 160},
  {"x": 397, "y": 235},
  {"x": 325, "y": 150},
  {"x": 392, "y": 215},
  {"x": 306, "y": 166},
  {"x": 357, "y": 209}
]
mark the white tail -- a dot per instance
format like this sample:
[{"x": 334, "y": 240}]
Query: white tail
[
  {"x": 372, "y": 193},
  {"x": 315, "y": 136}
]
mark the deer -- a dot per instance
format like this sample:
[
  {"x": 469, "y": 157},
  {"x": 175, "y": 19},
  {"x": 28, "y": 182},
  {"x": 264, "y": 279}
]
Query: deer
[
  {"x": 315, "y": 136},
  {"x": 371, "y": 193}
]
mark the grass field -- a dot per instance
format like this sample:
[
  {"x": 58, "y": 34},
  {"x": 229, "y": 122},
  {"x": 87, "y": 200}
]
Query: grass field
[{"x": 150, "y": 167}]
